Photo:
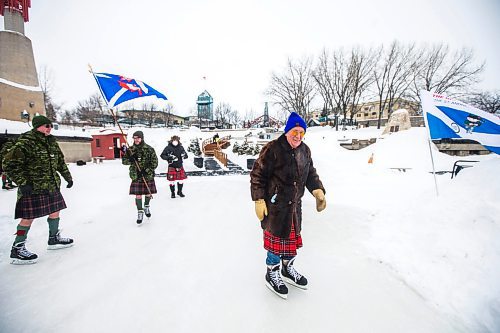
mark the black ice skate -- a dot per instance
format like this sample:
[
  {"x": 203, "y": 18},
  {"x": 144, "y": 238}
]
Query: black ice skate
[
  {"x": 57, "y": 242},
  {"x": 274, "y": 281},
  {"x": 147, "y": 212},
  {"x": 291, "y": 276},
  {"x": 20, "y": 256},
  {"x": 140, "y": 216},
  {"x": 172, "y": 191}
]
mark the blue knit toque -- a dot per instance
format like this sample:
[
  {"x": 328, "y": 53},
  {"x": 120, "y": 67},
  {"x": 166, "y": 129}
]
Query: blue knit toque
[{"x": 295, "y": 120}]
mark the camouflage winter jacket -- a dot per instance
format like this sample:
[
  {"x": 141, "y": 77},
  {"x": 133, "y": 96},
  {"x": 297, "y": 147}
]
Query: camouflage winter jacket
[
  {"x": 36, "y": 159},
  {"x": 146, "y": 158}
]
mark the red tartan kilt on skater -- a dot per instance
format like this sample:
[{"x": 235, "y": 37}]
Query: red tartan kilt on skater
[
  {"x": 138, "y": 187},
  {"x": 283, "y": 246},
  {"x": 38, "y": 205},
  {"x": 174, "y": 174}
]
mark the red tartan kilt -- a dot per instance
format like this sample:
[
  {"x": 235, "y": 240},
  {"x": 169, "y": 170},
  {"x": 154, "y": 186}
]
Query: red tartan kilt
[
  {"x": 138, "y": 187},
  {"x": 282, "y": 246},
  {"x": 38, "y": 205},
  {"x": 174, "y": 174}
]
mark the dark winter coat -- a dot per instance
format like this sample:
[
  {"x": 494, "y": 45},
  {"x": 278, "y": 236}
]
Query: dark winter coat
[
  {"x": 5, "y": 149},
  {"x": 35, "y": 159},
  {"x": 280, "y": 176},
  {"x": 174, "y": 155},
  {"x": 146, "y": 158}
]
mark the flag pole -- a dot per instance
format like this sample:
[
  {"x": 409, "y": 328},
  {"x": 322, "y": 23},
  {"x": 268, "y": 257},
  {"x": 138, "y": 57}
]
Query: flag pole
[
  {"x": 121, "y": 130},
  {"x": 429, "y": 142}
]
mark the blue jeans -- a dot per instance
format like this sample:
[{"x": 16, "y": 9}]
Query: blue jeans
[{"x": 274, "y": 259}]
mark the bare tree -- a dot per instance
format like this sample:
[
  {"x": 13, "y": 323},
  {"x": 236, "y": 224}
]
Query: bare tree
[
  {"x": 361, "y": 72},
  {"x": 333, "y": 78},
  {"x": 46, "y": 84},
  {"x": 488, "y": 101},
  {"x": 167, "y": 113},
  {"x": 148, "y": 113},
  {"x": 222, "y": 113},
  {"x": 445, "y": 73},
  {"x": 393, "y": 75},
  {"x": 91, "y": 109},
  {"x": 294, "y": 89}
]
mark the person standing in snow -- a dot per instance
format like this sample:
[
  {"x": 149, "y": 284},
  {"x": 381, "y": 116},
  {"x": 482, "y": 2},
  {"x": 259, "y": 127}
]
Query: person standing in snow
[
  {"x": 143, "y": 161},
  {"x": 174, "y": 153},
  {"x": 34, "y": 163},
  {"x": 278, "y": 179}
]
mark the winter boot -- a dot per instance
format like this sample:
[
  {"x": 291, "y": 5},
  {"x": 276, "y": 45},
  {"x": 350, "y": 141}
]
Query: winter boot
[
  {"x": 147, "y": 211},
  {"x": 172, "y": 189},
  {"x": 57, "y": 242},
  {"x": 179, "y": 190},
  {"x": 274, "y": 281},
  {"x": 140, "y": 216},
  {"x": 21, "y": 256},
  {"x": 291, "y": 276}
]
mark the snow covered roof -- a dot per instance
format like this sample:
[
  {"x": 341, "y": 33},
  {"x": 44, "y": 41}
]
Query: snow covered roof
[{"x": 19, "y": 127}]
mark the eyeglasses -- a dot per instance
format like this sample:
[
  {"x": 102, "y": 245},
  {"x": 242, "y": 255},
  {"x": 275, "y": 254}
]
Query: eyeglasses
[
  {"x": 49, "y": 126},
  {"x": 297, "y": 133}
]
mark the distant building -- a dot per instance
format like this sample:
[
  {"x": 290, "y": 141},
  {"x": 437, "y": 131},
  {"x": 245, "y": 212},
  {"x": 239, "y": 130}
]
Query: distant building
[
  {"x": 366, "y": 114},
  {"x": 205, "y": 106},
  {"x": 21, "y": 97},
  {"x": 107, "y": 143}
]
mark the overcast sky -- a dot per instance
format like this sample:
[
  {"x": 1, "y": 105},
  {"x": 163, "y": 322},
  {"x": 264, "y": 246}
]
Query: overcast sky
[{"x": 236, "y": 45}]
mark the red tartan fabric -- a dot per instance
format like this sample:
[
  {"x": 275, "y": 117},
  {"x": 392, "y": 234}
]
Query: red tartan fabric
[
  {"x": 176, "y": 174},
  {"x": 282, "y": 246},
  {"x": 138, "y": 187},
  {"x": 38, "y": 205}
]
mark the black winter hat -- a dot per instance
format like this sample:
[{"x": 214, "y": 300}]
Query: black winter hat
[{"x": 139, "y": 134}]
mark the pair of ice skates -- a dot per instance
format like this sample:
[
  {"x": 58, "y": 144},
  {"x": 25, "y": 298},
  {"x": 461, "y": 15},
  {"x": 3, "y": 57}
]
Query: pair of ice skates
[
  {"x": 274, "y": 278},
  {"x": 19, "y": 255}
]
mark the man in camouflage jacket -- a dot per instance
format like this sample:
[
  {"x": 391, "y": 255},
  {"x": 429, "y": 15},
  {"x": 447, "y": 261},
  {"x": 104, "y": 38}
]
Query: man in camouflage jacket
[
  {"x": 34, "y": 163},
  {"x": 142, "y": 161}
]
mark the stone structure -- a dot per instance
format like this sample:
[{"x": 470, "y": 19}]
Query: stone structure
[
  {"x": 20, "y": 94},
  {"x": 399, "y": 121}
]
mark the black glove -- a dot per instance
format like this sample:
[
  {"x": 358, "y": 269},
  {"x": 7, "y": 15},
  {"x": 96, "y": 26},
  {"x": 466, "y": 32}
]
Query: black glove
[
  {"x": 70, "y": 184},
  {"x": 141, "y": 174},
  {"x": 132, "y": 158},
  {"x": 26, "y": 190},
  {"x": 185, "y": 156}
]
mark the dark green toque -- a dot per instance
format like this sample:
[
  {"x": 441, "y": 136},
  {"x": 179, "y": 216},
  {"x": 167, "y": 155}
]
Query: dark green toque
[{"x": 39, "y": 121}]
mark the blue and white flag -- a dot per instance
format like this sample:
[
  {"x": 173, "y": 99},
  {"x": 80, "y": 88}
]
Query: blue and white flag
[
  {"x": 117, "y": 89},
  {"x": 450, "y": 119}
]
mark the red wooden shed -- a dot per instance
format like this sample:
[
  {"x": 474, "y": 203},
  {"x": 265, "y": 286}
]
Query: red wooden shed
[{"x": 107, "y": 143}]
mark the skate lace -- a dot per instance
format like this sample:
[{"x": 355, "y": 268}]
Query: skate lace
[
  {"x": 24, "y": 252},
  {"x": 276, "y": 277},
  {"x": 140, "y": 215},
  {"x": 62, "y": 239},
  {"x": 146, "y": 210},
  {"x": 296, "y": 275}
]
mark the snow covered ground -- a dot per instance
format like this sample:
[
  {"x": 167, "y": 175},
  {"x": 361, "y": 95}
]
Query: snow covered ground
[{"x": 387, "y": 255}]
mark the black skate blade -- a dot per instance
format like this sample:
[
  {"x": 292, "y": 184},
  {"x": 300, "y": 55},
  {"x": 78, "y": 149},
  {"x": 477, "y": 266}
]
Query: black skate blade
[
  {"x": 23, "y": 262},
  {"x": 283, "y": 296},
  {"x": 291, "y": 282},
  {"x": 59, "y": 246}
]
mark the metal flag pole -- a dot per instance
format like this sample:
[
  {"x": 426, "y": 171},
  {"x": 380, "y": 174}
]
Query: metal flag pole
[
  {"x": 429, "y": 143},
  {"x": 121, "y": 131}
]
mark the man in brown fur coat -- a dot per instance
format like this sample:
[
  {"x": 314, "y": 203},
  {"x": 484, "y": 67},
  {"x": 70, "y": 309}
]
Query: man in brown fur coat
[{"x": 278, "y": 181}]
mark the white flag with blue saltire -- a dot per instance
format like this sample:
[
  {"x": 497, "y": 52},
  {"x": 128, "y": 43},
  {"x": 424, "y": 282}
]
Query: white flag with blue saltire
[
  {"x": 117, "y": 89},
  {"x": 448, "y": 118}
]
